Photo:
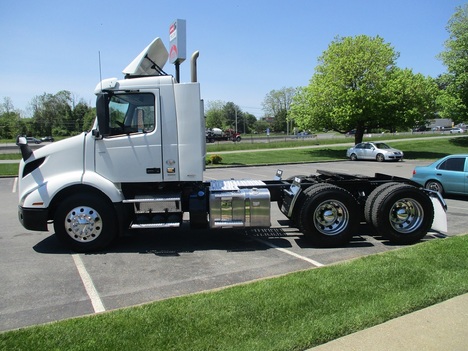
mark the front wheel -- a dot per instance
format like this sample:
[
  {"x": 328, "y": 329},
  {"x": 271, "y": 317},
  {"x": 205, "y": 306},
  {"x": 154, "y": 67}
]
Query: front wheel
[
  {"x": 85, "y": 222},
  {"x": 403, "y": 214},
  {"x": 380, "y": 158},
  {"x": 329, "y": 215},
  {"x": 353, "y": 157}
]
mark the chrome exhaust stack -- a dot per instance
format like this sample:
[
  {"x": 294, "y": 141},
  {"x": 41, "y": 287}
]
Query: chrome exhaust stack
[{"x": 193, "y": 66}]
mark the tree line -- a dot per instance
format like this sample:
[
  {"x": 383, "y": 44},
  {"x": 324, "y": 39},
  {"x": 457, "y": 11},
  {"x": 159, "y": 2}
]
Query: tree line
[
  {"x": 52, "y": 114},
  {"x": 356, "y": 85}
]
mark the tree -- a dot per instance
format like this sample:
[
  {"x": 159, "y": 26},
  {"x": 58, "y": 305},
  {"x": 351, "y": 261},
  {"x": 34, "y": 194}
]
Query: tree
[
  {"x": 249, "y": 121},
  {"x": 214, "y": 115},
  {"x": 88, "y": 119},
  {"x": 78, "y": 115},
  {"x": 52, "y": 113},
  {"x": 261, "y": 125},
  {"x": 346, "y": 89},
  {"x": 408, "y": 100},
  {"x": 234, "y": 116},
  {"x": 277, "y": 104},
  {"x": 455, "y": 57},
  {"x": 10, "y": 125}
]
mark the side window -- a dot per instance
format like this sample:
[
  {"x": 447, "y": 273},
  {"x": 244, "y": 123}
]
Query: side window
[
  {"x": 131, "y": 113},
  {"x": 453, "y": 164}
]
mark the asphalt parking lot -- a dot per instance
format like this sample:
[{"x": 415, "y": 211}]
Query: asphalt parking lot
[{"x": 44, "y": 282}]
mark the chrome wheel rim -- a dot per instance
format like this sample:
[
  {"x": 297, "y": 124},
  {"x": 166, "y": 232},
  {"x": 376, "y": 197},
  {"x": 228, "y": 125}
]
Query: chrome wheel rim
[
  {"x": 434, "y": 186},
  {"x": 331, "y": 217},
  {"x": 406, "y": 215},
  {"x": 83, "y": 224}
]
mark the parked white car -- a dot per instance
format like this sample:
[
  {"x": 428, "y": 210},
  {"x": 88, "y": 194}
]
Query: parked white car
[{"x": 374, "y": 151}]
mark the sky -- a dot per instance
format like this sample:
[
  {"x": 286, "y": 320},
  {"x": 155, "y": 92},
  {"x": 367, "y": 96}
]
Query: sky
[{"x": 247, "y": 48}]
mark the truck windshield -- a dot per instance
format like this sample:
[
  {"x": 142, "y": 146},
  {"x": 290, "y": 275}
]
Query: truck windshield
[{"x": 131, "y": 113}]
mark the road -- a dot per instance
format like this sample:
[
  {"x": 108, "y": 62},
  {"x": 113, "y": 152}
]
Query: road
[{"x": 44, "y": 282}]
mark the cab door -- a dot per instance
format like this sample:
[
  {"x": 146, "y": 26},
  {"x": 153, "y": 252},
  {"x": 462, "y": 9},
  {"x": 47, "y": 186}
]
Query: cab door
[{"x": 132, "y": 152}]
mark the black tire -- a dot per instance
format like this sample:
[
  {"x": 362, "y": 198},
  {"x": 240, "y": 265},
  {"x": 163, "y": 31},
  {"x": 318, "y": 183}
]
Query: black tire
[
  {"x": 435, "y": 185},
  {"x": 353, "y": 157},
  {"x": 85, "y": 222},
  {"x": 380, "y": 158},
  {"x": 329, "y": 215},
  {"x": 370, "y": 201},
  {"x": 403, "y": 214},
  {"x": 296, "y": 218}
]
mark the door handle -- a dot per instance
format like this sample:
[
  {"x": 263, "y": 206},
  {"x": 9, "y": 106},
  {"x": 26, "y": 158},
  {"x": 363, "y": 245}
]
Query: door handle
[{"x": 153, "y": 170}]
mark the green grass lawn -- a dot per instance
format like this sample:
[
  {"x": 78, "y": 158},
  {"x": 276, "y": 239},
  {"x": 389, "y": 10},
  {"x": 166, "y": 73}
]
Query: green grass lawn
[
  {"x": 433, "y": 148},
  {"x": 292, "y": 312},
  {"x": 9, "y": 169}
]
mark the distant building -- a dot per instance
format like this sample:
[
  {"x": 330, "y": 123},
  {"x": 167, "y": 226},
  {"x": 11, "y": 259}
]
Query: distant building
[{"x": 440, "y": 123}]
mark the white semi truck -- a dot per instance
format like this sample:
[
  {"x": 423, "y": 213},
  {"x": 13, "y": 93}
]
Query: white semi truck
[{"x": 141, "y": 167}]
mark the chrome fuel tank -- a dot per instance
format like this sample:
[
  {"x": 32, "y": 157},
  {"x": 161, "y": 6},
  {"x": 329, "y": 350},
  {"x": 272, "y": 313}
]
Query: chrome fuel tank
[{"x": 239, "y": 203}]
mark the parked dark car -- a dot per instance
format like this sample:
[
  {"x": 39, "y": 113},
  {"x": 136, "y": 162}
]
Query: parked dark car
[
  {"x": 420, "y": 129},
  {"x": 448, "y": 175},
  {"x": 33, "y": 140}
]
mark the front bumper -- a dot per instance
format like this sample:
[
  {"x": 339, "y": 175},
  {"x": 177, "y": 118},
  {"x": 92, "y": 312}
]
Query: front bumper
[
  {"x": 33, "y": 218},
  {"x": 395, "y": 157}
]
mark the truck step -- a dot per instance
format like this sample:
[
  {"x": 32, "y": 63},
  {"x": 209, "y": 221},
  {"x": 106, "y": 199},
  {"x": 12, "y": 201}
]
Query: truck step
[
  {"x": 159, "y": 198},
  {"x": 220, "y": 224},
  {"x": 161, "y": 203},
  {"x": 154, "y": 225}
]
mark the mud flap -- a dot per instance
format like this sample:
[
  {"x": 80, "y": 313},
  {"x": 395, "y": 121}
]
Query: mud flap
[{"x": 440, "y": 216}]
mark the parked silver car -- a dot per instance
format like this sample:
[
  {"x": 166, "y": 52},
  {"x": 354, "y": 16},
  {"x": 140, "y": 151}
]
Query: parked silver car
[
  {"x": 456, "y": 130},
  {"x": 374, "y": 151}
]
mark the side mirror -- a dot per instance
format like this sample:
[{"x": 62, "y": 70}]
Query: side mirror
[
  {"x": 102, "y": 112},
  {"x": 21, "y": 140},
  {"x": 26, "y": 151}
]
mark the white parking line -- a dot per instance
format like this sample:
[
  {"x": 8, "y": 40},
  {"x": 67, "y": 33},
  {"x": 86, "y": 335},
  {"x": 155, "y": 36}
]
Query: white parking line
[
  {"x": 15, "y": 183},
  {"x": 313, "y": 262},
  {"x": 96, "y": 301}
]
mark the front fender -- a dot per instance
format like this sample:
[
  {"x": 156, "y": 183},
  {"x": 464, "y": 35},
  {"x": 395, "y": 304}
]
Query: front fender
[
  {"x": 104, "y": 185},
  {"x": 41, "y": 195}
]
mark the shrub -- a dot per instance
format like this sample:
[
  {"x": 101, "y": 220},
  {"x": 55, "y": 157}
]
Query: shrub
[{"x": 215, "y": 159}]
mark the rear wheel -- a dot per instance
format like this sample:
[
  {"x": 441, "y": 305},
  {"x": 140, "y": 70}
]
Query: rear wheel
[
  {"x": 436, "y": 186},
  {"x": 370, "y": 202},
  {"x": 329, "y": 215},
  {"x": 403, "y": 214},
  {"x": 85, "y": 222}
]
